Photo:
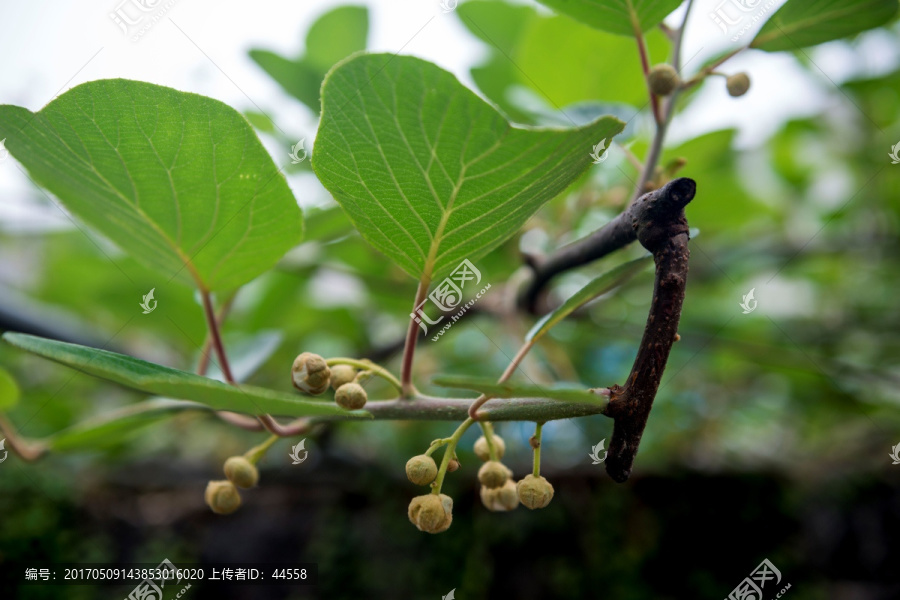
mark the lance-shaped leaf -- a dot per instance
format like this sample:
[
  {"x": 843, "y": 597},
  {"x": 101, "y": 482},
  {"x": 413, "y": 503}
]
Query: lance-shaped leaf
[
  {"x": 429, "y": 172},
  {"x": 178, "y": 180},
  {"x": 516, "y": 390},
  {"x": 623, "y": 17},
  {"x": 801, "y": 23},
  {"x": 172, "y": 383},
  {"x": 598, "y": 286}
]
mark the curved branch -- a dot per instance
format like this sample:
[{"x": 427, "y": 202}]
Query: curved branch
[{"x": 660, "y": 225}]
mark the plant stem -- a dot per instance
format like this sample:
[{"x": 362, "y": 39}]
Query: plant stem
[
  {"x": 412, "y": 334},
  {"x": 645, "y": 66},
  {"x": 293, "y": 428},
  {"x": 26, "y": 450},
  {"x": 257, "y": 452},
  {"x": 510, "y": 369},
  {"x": 216, "y": 337},
  {"x": 536, "y": 444},
  {"x": 367, "y": 365},
  {"x": 448, "y": 455}
]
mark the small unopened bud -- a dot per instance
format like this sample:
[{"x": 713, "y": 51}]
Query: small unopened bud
[
  {"x": 663, "y": 79},
  {"x": 500, "y": 499},
  {"x": 310, "y": 373},
  {"x": 222, "y": 497},
  {"x": 534, "y": 492},
  {"x": 241, "y": 472},
  {"x": 483, "y": 452},
  {"x": 431, "y": 513},
  {"x": 493, "y": 474},
  {"x": 421, "y": 469},
  {"x": 351, "y": 396},
  {"x": 341, "y": 374},
  {"x": 737, "y": 84},
  {"x": 452, "y": 465}
]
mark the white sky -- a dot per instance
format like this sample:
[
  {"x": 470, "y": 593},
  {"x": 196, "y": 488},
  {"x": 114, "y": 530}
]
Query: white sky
[{"x": 48, "y": 46}]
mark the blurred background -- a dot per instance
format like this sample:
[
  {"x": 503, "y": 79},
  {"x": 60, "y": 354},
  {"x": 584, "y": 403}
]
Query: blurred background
[{"x": 770, "y": 436}]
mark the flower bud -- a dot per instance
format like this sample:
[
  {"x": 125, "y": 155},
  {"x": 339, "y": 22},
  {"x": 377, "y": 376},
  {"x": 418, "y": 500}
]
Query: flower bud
[
  {"x": 482, "y": 451},
  {"x": 341, "y": 374},
  {"x": 534, "y": 492},
  {"x": 452, "y": 465},
  {"x": 310, "y": 373},
  {"x": 241, "y": 472},
  {"x": 421, "y": 469},
  {"x": 222, "y": 497},
  {"x": 500, "y": 499},
  {"x": 737, "y": 84},
  {"x": 351, "y": 396},
  {"x": 663, "y": 79},
  {"x": 493, "y": 474},
  {"x": 431, "y": 513}
]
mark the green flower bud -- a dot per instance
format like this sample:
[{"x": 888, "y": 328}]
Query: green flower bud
[
  {"x": 663, "y": 79},
  {"x": 351, "y": 396},
  {"x": 493, "y": 474},
  {"x": 481, "y": 448},
  {"x": 310, "y": 373},
  {"x": 500, "y": 499},
  {"x": 431, "y": 513},
  {"x": 341, "y": 374},
  {"x": 222, "y": 497},
  {"x": 421, "y": 469},
  {"x": 534, "y": 492},
  {"x": 737, "y": 84},
  {"x": 241, "y": 472}
]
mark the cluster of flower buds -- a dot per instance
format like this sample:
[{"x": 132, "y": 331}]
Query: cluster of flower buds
[
  {"x": 223, "y": 496},
  {"x": 310, "y": 373},
  {"x": 498, "y": 490}
]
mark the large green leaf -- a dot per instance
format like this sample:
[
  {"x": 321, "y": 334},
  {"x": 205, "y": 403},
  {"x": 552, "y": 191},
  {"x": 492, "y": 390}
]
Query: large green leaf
[
  {"x": 428, "y": 172},
  {"x": 801, "y": 23},
  {"x": 172, "y": 383},
  {"x": 335, "y": 35},
  {"x": 622, "y": 17},
  {"x": 600, "y": 285},
  {"x": 178, "y": 180}
]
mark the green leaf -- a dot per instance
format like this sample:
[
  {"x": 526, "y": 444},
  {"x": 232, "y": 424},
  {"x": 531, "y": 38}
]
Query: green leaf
[
  {"x": 798, "y": 24},
  {"x": 515, "y": 390},
  {"x": 336, "y": 35},
  {"x": 178, "y": 180},
  {"x": 621, "y": 17},
  {"x": 9, "y": 390},
  {"x": 111, "y": 427},
  {"x": 427, "y": 171},
  {"x": 172, "y": 383},
  {"x": 601, "y": 285}
]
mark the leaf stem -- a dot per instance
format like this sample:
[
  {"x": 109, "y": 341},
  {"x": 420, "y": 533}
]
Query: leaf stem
[
  {"x": 407, "y": 389},
  {"x": 257, "y": 452},
  {"x": 367, "y": 365},
  {"x": 645, "y": 66},
  {"x": 214, "y": 334},
  {"x": 27, "y": 450},
  {"x": 448, "y": 454}
]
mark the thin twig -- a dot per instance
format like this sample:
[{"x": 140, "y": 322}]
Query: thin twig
[{"x": 412, "y": 334}]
